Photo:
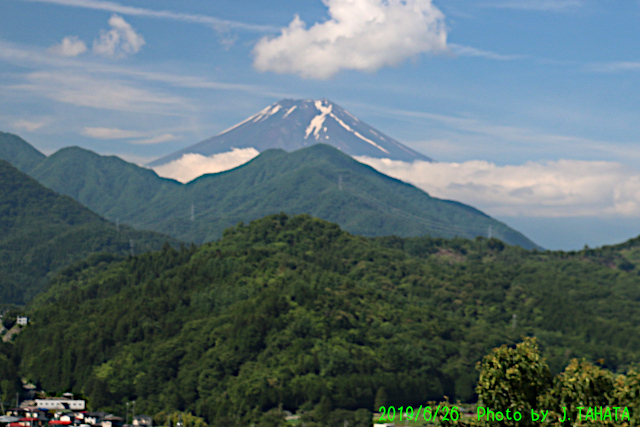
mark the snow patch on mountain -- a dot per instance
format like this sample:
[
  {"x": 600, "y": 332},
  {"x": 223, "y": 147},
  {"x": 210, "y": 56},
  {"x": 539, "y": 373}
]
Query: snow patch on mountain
[
  {"x": 261, "y": 114},
  {"x": 316, "y": 123},
  {"x": 346, "y": 126},
  {"x": 241, "y": 123},
  {"x": 274, "y": 110},
  {"x": 289, "y": 111},
  {"x": 352, "y": 116}
]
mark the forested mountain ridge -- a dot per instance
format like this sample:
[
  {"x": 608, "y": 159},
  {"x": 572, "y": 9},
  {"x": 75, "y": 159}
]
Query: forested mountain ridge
[
  {"x": 106, "y": 184},
  {"x": 318, "y": 180},
  {"x": 294, "y": 311},
  {"x": 19, "y": 152},
  {"x": 42, "y": 231}
]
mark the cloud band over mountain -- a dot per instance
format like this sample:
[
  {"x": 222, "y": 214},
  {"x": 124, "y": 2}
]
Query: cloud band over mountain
[{"x": 563, "y": 188}]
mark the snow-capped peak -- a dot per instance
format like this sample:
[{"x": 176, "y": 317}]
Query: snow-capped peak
[{"x": 293, "y": 124}]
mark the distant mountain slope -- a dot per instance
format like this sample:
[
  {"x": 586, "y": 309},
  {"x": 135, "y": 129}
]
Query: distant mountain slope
[
  {"x": 41, "y": 232},
  {"x": 328, "y": 184},
  {"x": 319, "y": 180},
  {"x": 19, "y": 152},
  {"x": 106, "y": 184},
  {"x": 294, "y": 124}
]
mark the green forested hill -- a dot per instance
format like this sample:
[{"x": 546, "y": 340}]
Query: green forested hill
[
  {"x": 106, "y": 184},
  {"x": 319, "y": 180},
  {"x": 19, "y": 152},
  {"x": 42, "y": 231},
  {"x": 294, "y": 311}
]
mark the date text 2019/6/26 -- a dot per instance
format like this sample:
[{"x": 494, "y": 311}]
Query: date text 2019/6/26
[{"x": 428, "y": 413}]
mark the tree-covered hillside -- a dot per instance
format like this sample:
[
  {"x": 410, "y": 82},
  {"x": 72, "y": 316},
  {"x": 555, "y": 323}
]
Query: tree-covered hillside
[
  {"x": 293, "y": 311},
  {"x": 106, "y": 184},
  {"x": 19, "y": 152},
  {"x": 42, "y": 231},
  {"x": 318, "y": 180}
]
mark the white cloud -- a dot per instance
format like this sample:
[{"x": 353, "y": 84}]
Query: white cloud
[
  {"x": 461, "y": 50},
  {"x": 70, "y": 46},
  {"x": 27, "y": 125},
  {"x": 115, "y": 133},
  {"x": 539, "y": 5},
  {"x": 156, "y": 139},
  {"x": 86, "y": 91},
  {"x": 564, "y": 188},
  {"x": 191, "y": 166},
  {"x": 120, "y": 41},
  {"x": 25, "y": 55},
  {"x": 111, "y": 133},
  {"x": 216, "y": 23},
  {"x": 362, "y": 35},
  {"x": 614, "y": 67}
]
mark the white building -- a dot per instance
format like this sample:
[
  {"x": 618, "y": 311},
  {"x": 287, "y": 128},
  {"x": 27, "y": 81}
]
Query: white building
[
  {"x": 142, "y": 421},
  {"x": 61, "y": 403},
  {"x": 22, "y": 320}
]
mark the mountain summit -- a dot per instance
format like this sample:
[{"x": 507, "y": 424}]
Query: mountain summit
[{"x": 294, "y": 124}]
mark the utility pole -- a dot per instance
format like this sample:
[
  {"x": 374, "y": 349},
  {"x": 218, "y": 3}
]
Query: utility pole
[
  {"x": 513, "y": 320},
  {"x": 126, "y": 417}
]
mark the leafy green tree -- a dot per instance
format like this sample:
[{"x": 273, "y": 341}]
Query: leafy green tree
[
  {"x": 582, "y": 384},
  {"x": 9, "y": 318},
  {"x": 322, "y": 411},
  {"x": 627, "y": 393},
  {"x": 272, "y": 418},
  {"x": 512, "y": 378},
  {"x": 381, "y": 399},
  {"x": 188, "y": 419}
]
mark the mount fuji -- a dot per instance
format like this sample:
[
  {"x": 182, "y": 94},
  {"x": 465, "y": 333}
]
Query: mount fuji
[{"x": 294, "y": 124}]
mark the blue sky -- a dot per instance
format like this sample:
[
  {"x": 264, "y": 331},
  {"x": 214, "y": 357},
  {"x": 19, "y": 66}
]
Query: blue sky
[{"x": 530, "y": 105}]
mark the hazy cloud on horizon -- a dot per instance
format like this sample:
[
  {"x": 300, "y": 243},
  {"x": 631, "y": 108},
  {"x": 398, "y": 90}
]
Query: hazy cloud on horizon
[{"x": 562, "y": 188}]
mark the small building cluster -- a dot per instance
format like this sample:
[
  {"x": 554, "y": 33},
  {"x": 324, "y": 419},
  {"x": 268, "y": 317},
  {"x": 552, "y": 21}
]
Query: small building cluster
[{"x": 65, "y": 411}]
